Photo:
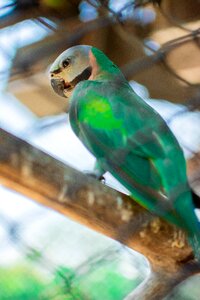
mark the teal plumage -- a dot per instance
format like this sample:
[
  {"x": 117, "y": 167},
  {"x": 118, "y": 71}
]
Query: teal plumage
[{"x": 131, "y": 141}]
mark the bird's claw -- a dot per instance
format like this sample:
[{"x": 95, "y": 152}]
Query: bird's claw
[
  {"x": 179, "y": 239},
  {"x": 96, "y": 176}
]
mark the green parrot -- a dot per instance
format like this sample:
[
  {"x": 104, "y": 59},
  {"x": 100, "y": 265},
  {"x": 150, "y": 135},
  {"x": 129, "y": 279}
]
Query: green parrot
[{"x": 128, "y": 138}]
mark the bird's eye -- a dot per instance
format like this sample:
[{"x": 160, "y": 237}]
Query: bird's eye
[{"x": 66, "y": 63}]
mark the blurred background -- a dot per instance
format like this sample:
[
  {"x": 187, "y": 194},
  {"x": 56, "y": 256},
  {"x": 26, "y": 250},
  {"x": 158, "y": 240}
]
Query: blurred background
[{"x": 44, "y": 255}]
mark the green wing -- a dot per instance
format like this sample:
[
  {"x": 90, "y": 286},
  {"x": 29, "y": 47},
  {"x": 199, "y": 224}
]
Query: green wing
[{"x": 130, "y": 140}]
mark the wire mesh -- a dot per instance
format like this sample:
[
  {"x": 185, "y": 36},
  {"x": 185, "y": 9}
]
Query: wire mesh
[{"x": 63, "y": 281}]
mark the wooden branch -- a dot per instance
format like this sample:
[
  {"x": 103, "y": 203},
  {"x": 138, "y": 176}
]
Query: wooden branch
[
  {"x": 159, "y": 284},
  {"x": 50, "y": 182}
]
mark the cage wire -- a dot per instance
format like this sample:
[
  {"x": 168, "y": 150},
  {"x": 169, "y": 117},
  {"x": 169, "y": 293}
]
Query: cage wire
[{"x": 90, "y": 276}]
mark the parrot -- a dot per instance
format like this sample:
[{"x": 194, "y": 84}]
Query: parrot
[{"x": 128, "y": 138}]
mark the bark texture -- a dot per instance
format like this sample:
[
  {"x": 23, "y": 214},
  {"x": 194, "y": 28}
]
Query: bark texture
[{"x": 54, "y": 184}]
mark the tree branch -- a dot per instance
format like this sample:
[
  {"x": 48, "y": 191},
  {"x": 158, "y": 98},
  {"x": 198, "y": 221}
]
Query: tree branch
[
  {"x": 160, "y": 284},
  {"x": 50, "y": 182}
]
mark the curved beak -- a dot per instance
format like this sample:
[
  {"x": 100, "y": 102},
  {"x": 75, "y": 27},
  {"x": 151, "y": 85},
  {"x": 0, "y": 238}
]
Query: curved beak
[{"x": 58, "y": 85}]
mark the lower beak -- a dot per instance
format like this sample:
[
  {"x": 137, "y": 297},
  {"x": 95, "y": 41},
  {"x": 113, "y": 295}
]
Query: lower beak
[{"x": 58, "y": 85}]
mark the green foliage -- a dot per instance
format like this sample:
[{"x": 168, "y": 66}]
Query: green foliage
[
  {"x": 65, "y": 278},
  {"x": 20, "y": 283},
  {"x": 102, "y": 282},
  {"x": 107, "y": 283}
]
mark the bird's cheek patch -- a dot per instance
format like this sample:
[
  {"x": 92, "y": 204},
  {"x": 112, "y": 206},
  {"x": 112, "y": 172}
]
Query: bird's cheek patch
[{"x": 94, "y": 65}]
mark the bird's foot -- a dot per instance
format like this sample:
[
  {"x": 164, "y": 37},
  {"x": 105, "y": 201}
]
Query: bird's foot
[
  {"x": 179, "y": 239},
  {"x": 96, "y": 176}
]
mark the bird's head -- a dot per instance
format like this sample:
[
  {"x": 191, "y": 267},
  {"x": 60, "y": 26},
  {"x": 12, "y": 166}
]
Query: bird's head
[
  {"x": 80, "y": 63},
  {"x": 70, "y": 67}
]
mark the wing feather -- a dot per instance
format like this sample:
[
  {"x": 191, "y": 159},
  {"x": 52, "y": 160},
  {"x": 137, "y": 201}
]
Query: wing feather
[{"x": 128, "y": 137}]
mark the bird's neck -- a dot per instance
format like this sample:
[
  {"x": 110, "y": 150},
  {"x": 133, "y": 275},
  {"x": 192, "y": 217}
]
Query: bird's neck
[{"x": 103, "y": 68}]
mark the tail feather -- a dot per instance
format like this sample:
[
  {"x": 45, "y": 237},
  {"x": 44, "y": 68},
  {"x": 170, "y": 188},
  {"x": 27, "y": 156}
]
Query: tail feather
[
  {"x": 196, "y": 199},
  {"x": 194, "y": 241},
  {"x": 185, "y": 209},
  {"x": 195, "y": 238}
]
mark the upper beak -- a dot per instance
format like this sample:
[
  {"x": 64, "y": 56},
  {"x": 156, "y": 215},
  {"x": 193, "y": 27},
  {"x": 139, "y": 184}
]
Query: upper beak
[{"x": 58, "y": 85}]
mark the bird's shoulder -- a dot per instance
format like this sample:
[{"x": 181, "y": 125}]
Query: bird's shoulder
[
  {"x": 113, "y": 100},
  {"x": 99, "y": 92},
  {"x": 120, "y": 118}
]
